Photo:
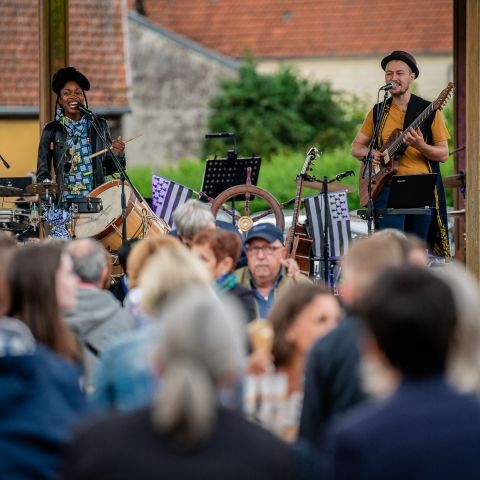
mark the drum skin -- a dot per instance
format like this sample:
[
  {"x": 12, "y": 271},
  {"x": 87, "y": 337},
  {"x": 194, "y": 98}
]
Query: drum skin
[{"x": 106, "y": 225}]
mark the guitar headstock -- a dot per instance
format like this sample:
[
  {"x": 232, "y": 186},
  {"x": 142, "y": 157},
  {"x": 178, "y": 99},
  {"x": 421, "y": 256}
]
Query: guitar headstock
[
  {"x": 312, "y": 154},
  {"x": 442, "y": 99}
]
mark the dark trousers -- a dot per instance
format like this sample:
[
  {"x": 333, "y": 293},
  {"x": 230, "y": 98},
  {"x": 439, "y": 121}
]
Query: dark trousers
[{"x": 416, "y": 224}]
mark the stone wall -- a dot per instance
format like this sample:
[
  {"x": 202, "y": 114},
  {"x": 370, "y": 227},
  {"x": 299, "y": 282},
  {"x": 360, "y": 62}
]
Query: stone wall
[{"x": 172, "y": 82}]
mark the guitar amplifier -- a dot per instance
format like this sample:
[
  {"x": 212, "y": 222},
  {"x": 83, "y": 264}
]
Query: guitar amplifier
[{"x": 16, "y": 182}]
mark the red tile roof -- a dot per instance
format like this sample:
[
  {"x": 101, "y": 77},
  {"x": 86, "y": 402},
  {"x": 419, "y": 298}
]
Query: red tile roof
[
  {"x": 296, "y": 28},
  {"x": 96, "y": 48}
]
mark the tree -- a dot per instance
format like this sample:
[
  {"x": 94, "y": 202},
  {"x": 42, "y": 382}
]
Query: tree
[{"x": 277, "y": 112}]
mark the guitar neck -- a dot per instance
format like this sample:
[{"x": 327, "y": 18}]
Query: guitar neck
[
  {"x": 296, "y": 208},
  {"x": 398, "y": 143}
]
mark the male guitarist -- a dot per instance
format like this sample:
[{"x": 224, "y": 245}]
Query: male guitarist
[{"x": 426, "y": 147}]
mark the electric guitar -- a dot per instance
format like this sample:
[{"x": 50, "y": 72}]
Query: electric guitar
[
  {"x": 298, "y": 242},
  {"x": 394, "y": 149}
]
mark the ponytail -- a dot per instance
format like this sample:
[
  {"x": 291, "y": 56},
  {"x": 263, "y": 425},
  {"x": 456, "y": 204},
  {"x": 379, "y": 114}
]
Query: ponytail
[{"x": 186, "y": 407}]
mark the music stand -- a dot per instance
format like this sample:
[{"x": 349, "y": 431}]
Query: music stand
[
  {"x": 409, "y": 195},
  {"x": 221, "y": 173},
  {"x": 412, "y": 191}
]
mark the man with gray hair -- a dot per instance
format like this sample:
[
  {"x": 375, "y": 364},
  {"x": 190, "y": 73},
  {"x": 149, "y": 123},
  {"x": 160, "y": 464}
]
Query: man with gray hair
[
  {"x": 98, "y": 316},
  {"x": 190, "y": 218}
]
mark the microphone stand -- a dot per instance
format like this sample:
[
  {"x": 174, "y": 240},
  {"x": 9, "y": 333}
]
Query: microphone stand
[
  {"x": 123, "y": 174},
  {"x": 326, "y": 231},
  {"x": 368, "y": 161}
]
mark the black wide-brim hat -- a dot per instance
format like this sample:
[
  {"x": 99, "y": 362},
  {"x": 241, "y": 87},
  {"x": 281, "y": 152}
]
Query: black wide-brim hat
[
  {"x": 68, "y": 74},
  {"x": 406, "y": 57}
]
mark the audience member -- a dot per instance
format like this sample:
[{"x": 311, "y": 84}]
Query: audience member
[
  {"x": 138, "y": 258},
  {"x": 190, "y": 218},
  {"x": 43, "y": 286},
  {"x": 265, "y": 274},
  {"x": 464, "y": 360},
  {"x": 426, "y": 429},
  {"x": 185, "y": 434},
  {"x": 97, "y": 316},
  {"x": 40, "y": 404},
  {"x": 8, "y": 247},
  {"x": 305, "y": 313},
  {"x": 414, "y": 249},
  {"x": 332, "y": 375},
  {"x": 40, "y": 396},
  {"x": 124, "y": 378},
  {"x": 220, "y": 250}
]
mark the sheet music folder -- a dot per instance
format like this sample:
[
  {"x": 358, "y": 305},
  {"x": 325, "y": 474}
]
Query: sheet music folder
[{"x": 222, "y": 173}]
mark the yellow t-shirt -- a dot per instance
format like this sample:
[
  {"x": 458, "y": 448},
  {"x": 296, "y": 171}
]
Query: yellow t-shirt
[{"x": 412, "y": 161}]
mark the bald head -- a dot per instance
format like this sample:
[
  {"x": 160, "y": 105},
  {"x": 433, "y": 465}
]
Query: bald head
[
  {"x": 89, "y": 260},
  {"x": 365, "y": 260}
]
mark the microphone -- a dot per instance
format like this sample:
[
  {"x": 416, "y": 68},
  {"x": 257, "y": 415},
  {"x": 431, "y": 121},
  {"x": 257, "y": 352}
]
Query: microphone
[
  {"x": 348, "y": 173},
  {"x": 219, "y": 135},
  {"x": 389, "y": 85},
  {"x": 5, "y": 163},
  {"x": 83, "y": 109}
]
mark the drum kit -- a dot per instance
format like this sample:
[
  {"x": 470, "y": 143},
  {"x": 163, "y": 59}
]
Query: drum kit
[
  {"x": 97, "y": 216},
  {"x": 13, "y": 217}
]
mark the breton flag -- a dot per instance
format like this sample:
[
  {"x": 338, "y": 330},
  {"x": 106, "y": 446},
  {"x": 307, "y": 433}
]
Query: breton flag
[
  {"x": 167, "y": 196},
  {"x": 338, "y": 220}
]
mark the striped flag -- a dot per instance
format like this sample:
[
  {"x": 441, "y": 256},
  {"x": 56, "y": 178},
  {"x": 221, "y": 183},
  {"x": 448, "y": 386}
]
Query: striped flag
[
  {"x": 167, "y": 196},
  {"x": 338, "y": 220}
]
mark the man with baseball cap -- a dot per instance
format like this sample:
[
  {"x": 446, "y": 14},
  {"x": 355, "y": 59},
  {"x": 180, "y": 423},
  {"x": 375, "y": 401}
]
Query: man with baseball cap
[
  {"x": 70, "y": 139},
  {"x": 426, "y": 148},
  {"x": 265, "y": 274}
]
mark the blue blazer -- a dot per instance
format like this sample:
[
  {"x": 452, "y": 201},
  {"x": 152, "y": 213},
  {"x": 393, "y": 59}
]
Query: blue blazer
[{"x": 426, "y": 430}]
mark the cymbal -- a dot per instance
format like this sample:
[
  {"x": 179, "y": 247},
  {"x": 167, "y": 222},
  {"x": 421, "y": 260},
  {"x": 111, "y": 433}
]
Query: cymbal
[
  {"x": 43, "y": 187},
  {"x": 454, "y": 181},
  {"x": 457, "y": 213},
  {"x": 332, "y": 187},
  {"x": 10, "y": 191}
]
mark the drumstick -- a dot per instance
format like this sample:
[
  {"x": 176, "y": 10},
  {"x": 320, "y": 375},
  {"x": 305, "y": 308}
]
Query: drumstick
[{"x": 107, "y": 149}]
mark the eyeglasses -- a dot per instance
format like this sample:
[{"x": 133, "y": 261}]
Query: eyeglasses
[{"x": 268, "y": 250}]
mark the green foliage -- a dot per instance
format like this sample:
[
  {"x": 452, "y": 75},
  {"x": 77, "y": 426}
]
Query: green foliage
[
  {"x": 276, "y": 176},
  {"x": 273, "y": 113}
]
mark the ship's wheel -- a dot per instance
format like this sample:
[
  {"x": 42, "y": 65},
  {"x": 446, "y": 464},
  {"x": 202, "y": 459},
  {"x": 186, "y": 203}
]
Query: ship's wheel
[{"x": 245, "y": 221}]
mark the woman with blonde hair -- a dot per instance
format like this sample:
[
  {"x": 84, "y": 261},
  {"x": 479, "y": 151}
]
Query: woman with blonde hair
[
  {"x": 124, "y": 378},
  {"x": 142, "y": 252},
  {"x": 185, "y": 434}
]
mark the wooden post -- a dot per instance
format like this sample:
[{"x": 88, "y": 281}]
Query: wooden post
[
  {"x": 53, "y": 18},
  {"x": 459, "y": 52},
  {"x": 473, "y": 135}
]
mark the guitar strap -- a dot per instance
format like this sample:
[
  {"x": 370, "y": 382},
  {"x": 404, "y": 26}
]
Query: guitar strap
[
  {"x": 378, "y": 141},
  {"x": 416, "y": 106}
]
